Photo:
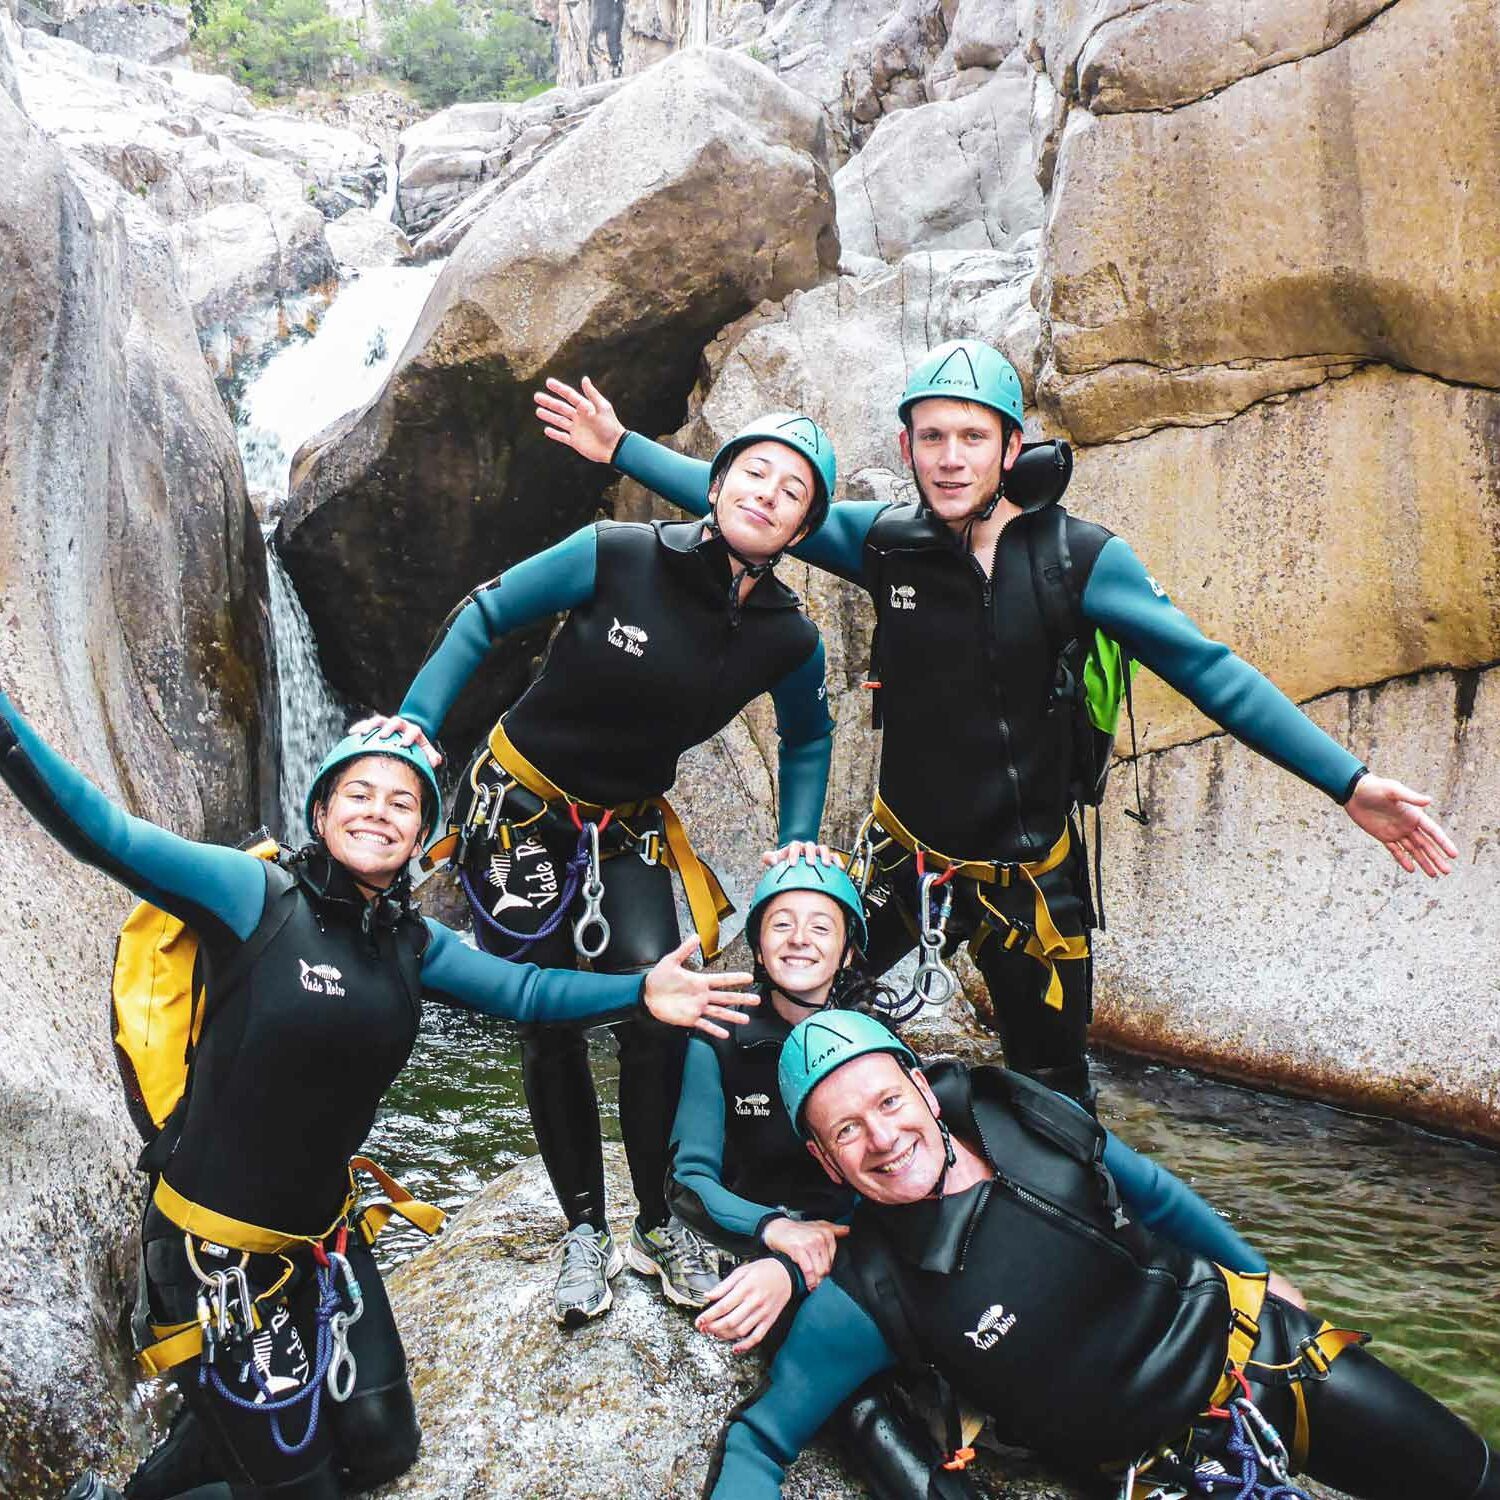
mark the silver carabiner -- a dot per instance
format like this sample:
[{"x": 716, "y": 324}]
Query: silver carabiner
[
  {"x": 934, "y": 981},
  {"x": 342, "y": 1368},
  {"x": 593, "y": 899}
]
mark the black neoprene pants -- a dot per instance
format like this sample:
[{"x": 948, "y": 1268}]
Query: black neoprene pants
[
  {"x": 1047, "y": 1044},
  {"x": 367, "y": 1440},
  {"x": 642, "y": 913},
  {"x": 1372, "y": 1432}
]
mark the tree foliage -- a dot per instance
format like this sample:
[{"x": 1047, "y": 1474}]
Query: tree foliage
[{"x": 444, "y": 50}]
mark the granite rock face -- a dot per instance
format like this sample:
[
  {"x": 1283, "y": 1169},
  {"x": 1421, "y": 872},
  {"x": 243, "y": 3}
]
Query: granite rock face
[
  {"x": 131, "y": 575},
  {"x": 686, "y": 198}
]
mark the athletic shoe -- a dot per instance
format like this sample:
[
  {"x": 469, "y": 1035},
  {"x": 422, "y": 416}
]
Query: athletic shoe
[
  {"x": 89, "y": 1486},
  {"x": 589, "y": 1258},
  {"x": 688, "y": 1265}
]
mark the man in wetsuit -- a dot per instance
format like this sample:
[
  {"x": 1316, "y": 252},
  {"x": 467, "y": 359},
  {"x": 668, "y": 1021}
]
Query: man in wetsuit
[
  {"x": 977, "y": 758},
  {"x": 1079, "y": 1297}
]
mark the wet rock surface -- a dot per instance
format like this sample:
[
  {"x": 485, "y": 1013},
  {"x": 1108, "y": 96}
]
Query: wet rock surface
[
  {"x": 514, "y": 1407},
  {"x": 621, "y": 253},
  {"x": 130, "y": 574}
]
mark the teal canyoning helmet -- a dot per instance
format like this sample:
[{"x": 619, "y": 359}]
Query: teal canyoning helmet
[
  {"x": 800, "y": 434},
  {"x": 966, "y": 370},
  {"x": 806, "y": 875},
  {"x": 821, "y": 1045},
  {"x": 356, "y": 747}
]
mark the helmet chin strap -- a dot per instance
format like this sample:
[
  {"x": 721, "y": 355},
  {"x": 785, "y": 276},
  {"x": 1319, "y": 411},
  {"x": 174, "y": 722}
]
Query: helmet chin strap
[{"x": 753, "y": 569}]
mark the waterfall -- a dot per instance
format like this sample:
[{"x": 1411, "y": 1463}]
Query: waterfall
[
  {"x": 302, "y": 389},
  {"x": 385, "y": 205}
]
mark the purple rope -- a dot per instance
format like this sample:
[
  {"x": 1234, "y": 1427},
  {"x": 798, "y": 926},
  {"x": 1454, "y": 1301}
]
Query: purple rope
[
  {"x": 1248, "y": 1485},
  {"x": 576, "y": 867}
]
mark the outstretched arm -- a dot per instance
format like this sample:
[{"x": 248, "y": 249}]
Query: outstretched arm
[
  {"x": 215, "y": 890},
  {"x": 832, "y": 1349},
  {"x": 584, "y": 421},
  {"x": 673, "y": 993},
  {"x": 1168, "y": 1207},
  {"x": 1123, "y": 600},
  {"x": 558, "y": 579},
  {"x": 805, "y": 752}
]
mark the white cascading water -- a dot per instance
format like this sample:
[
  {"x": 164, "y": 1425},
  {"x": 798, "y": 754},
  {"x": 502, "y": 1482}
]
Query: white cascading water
[{"x": 302, "y": 389}]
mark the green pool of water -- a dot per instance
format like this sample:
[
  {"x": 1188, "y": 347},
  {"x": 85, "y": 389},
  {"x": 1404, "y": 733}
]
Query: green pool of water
[{"x": 1382, "y": 1226}]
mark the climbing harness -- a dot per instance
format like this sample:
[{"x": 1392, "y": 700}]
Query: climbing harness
[
  {"x": 934, "y": 982},
  {"x": 593, "y": 886}
]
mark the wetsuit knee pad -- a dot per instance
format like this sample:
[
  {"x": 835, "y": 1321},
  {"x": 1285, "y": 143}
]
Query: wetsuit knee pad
[
  {"x": 1072, "y": 1081},
  {"x": 376, "y": 1435},
  {"x": 894, "y": 1453}
]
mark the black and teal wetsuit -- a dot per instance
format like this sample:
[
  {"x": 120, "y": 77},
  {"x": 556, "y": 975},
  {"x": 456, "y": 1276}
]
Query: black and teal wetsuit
[
  {"x": 1083, "y": 1337},
  {"x": 654, "y": 658},
  {"x": 975, "y": 762},
  {"x": 290, "y": 1070}
]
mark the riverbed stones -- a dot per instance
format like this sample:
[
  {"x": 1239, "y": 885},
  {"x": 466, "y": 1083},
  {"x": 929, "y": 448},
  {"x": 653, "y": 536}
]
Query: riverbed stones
[
  {"x": 1338, "y": 208},
  {"x": 515, "y": 1408},
  {"x": 362, "y": 239},
  {"x": 130, "y": 579},
  {"x": 684, "y": 199}
]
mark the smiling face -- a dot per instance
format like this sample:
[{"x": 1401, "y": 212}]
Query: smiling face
[
  {"x": 958, "y": 451},
  {"x": 874, "y": 1126},
  {"x": 801, "y": 944},
  {"x": 762, "y": 498},
  {"x": 371, "y": 818}
]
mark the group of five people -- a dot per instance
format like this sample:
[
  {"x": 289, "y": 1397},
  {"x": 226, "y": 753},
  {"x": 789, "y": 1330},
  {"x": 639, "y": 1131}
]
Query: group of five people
[{"x": 978, "y": 1222}]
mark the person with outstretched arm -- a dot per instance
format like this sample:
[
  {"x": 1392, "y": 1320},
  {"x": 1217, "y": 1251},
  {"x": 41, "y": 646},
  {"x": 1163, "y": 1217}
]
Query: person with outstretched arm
[
  {"x": 563, "y": 838},
  {"x": 1073, "y": 1294},
  {"x": 317, "y": 969},
  {"x": 988, "y": 598}
]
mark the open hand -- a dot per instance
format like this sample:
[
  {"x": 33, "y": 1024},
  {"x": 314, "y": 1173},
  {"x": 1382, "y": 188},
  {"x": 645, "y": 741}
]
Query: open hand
[
  {"x": 411, "y": 734},
  {"x": 812, "y": 1243},
  {"x": 583, "y": 420},
  {"x": 1393, "y": 814},
  {"x": 680, "y": 996},
  {"x": 803, "y": 849},
  {"x": 744, "y": 1306}
]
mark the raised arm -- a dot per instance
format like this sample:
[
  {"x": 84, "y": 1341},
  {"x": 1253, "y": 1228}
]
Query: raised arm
[
  {"x": 832, "y": 1349},
  {"x": 1124, "y": 601},
  {"x": 213, "y": 889},
  {"x": 673, "y": 993},
  {"x": 1167, "y": 1206},
  {"x": 558, "y": 579},
  {"x": 584, "y": 421},
  {"x": 805, "y": 751}
]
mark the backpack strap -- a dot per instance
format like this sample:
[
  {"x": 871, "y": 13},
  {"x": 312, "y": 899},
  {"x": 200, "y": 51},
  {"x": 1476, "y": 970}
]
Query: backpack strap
[
  {"x": 1057, "y": 598},
  {"x": 281, "y": 893}
]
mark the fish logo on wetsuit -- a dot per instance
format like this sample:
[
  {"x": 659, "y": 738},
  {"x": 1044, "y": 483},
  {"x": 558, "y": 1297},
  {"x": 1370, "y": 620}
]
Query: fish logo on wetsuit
[
  {"x": 757, "y": 1105},
  {"x": 631, "y": 639},
  {"x": 320, "y": 979},
  {"x": 994, "y": 1323}
]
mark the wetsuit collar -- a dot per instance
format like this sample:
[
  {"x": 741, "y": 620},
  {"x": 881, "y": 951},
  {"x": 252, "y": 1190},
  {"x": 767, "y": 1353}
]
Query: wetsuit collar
[
  {"x": 765, "y": 1028},
  {"x": 690, "y": 536},
  {"x": 334, "y": 890}
]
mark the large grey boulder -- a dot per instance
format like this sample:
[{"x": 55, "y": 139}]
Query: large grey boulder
[
  {"x": 146, "y": 33},
  {"x": 515, "y": 1408},
  {"x": 361, "y": 239},
  {"x": 683, "y": 200},
  {"x": 455, "y": 163},
  {"x": 131, "y": 575}
]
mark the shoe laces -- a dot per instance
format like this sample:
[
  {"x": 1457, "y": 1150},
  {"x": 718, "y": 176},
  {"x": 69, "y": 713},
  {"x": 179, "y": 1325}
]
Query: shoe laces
[
  {"x": 688, "y": 1247},
  {"x": 584, "y": 1244}
]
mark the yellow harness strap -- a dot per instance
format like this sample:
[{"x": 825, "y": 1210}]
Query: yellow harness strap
[
  {"x": 175, "y": 1344},
  {"x": 705, "y": 896},
  {"x": 1247, "y": 1294},
  {"x": 1044, "y": 943},
  {"x": 424, "y": 1216},
  {"x": 1314, "y": 1356}
]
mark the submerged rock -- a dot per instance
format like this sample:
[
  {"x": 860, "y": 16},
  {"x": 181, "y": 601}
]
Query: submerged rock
[
  {"x": 515, "y": 1408},
  {"x": 683, "y": 200}
]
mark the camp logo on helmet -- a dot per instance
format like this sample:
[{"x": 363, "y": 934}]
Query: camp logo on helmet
[
  {"x": 903, "y": 596},
  {"x": 804, "y": 432},
  {"x": 631, "y": 639},
  {"x": 956, "y": 370},
  {"x": 994, "y": 1323},
  {"x": 757, "y": 1105},
  {"x": 320, "y": 979}
]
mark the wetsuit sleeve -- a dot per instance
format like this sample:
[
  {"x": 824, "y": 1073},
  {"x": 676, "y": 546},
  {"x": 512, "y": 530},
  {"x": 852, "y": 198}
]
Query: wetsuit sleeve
[
  {"x": 837, "y": 545},
  {"x": 1170, "y": 1208},
  {"x": 1126, "y": 603},
  {"x": 697, "y": 1186},
  {"x": 832, "y": 1349},
  {"x": 561, "y": 578},
  {"x": 805, "y": 728},
  {"x": 457, "y": 974},
  {"x": 215, "y": 890}
]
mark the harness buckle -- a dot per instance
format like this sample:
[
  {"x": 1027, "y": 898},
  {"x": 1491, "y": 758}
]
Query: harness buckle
[
  {"x": 1310, "y": 1354},
  {"x": 648, "y": 846},
  {"x": 1241, "y": 1322}
]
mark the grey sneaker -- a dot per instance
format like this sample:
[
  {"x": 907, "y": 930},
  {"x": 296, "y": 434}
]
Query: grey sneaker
[
  {"x": 89, "y": 1486},
  {"x": 687, "y": 1264},
  {"x": 589, "y": 1258}
]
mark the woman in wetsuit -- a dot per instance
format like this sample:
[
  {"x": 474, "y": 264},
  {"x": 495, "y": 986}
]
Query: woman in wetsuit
[
  {"x": 742, "y": 1177},
  {"x": 316, "y": 976},
  {"x": 672, "y": 629}
]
